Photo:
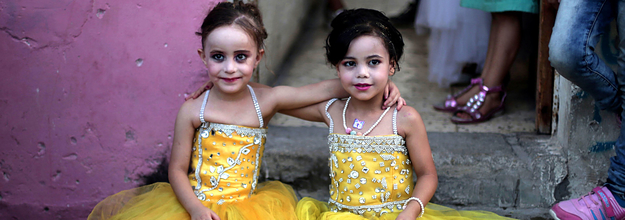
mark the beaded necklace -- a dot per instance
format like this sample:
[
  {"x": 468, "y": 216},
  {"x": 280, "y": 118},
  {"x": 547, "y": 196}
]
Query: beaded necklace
[{"x": 352, "y": 132}]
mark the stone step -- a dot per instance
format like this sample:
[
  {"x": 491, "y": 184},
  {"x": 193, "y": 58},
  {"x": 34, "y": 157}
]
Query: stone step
[{"x": 516, "y": 175}]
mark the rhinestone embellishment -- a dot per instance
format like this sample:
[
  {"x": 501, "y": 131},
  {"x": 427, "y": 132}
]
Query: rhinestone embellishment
[
  {"x": 363, "y": 181},
  {"x": 353, "y": 174}
]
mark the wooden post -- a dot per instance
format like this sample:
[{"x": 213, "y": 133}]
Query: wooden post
[{"x": 544, "y": 79}]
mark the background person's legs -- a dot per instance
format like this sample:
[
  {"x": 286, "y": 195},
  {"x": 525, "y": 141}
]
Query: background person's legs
[
  {"x": 616, "y": 173},
  {"x": 503, "y": 44},
  {"x": 579, "y": 25}
]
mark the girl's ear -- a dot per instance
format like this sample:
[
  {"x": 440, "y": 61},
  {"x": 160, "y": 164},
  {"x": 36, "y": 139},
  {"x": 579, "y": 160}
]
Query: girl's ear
[
  {"x": 259, "y": 57},
  {"x": 202, "y": 55},
  {"x": 392, "y": 68}
]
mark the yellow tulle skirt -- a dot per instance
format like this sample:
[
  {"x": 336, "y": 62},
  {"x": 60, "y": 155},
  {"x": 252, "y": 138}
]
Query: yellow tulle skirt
[
  {"x": 272, "y": 200},
  {"x": 312, "y": 209}
]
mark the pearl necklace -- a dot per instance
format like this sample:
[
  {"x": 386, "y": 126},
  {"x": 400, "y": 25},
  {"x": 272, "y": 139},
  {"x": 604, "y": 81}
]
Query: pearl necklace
[{"x": 352, "y": 132}]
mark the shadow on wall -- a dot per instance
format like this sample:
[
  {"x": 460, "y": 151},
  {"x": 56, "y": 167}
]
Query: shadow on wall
[{"x": 160, "y": 174}]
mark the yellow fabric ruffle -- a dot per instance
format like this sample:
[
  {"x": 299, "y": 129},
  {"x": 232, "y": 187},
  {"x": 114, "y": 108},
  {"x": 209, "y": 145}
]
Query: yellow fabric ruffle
[
  {"x": 312, "y": 209},
  {"x": 272, "y": 200}
]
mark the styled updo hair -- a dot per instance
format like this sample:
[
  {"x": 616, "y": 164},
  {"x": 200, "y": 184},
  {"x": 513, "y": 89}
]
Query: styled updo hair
[
  {"x": 246, "y": 16},
  {"x": 353, "y": 23}
]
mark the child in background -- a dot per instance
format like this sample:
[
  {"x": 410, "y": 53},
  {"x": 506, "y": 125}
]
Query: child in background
[
  {"x": 221, "y": 137},
  {"x": 374, "y": 153}
]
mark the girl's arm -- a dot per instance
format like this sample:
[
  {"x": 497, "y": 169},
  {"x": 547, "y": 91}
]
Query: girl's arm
[
  {"x": 314, "y": 112},
  {"x": 413, "y": 129},
  {"x": 179, "y": 163},
  {"x": 297, "y": 97},
  {"x": 319, "y": 92},
  {"x": 288, "y": 97}
]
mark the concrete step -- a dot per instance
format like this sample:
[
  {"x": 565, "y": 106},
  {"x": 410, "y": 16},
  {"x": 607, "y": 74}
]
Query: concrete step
[{"x": 517, "y": 175}]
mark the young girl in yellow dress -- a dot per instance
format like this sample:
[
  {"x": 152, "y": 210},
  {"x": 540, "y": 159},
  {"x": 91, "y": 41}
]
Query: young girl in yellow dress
[
  {"x": 374, "y": 153},
  {"x": 220, "y": 138}
]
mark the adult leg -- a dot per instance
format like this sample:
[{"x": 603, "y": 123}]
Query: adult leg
[
  {"x": 503, "y": 46},
  {"x": 575, "y": 59},
  {"x": 616, "y": 173},
  {"x": 494, "y": 28},
  {"x": 579, "y": 24},
  {"x": 506, "y": 46}
]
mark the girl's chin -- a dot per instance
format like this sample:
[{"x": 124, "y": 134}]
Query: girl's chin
[{"x": 362, "y": 97}]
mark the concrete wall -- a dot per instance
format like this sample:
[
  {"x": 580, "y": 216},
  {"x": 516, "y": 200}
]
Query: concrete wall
[
  {"x": 90, "y": 90},
  {"x": 283, "y": 21},
  {"x": 587, "y": 137}
]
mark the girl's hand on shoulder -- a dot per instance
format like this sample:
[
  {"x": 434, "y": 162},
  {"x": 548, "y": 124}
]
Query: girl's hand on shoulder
[
  {"x": 392, "y": 96},
  {"x": 208, "y": 85},
  {"x": 204, "y": 214}
]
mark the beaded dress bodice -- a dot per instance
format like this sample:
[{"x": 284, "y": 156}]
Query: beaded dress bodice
[
  {"x": 226, "y": 158},
  {"x": 369, "y": 174}
]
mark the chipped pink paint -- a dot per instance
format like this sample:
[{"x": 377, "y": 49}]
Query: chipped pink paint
[{"x": 90, "y": 92}]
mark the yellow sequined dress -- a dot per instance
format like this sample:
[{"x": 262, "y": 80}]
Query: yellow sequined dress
[
  {"x": 370, "y": 178},
  {"x": 225, "y": 163}
]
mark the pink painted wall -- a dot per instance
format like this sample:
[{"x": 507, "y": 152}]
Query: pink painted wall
[{"x": 81, "y": 116}]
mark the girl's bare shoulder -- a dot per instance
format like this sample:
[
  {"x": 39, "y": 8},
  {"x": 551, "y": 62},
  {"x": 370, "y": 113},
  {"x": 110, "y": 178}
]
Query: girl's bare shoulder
[
  {"x": 190, "y": 109},
  {"x": 409, "y": 118},
  {"x": 193, "y": 103},
  {"x": 260, "y": 87},
  {"x": 262, "y": 91},
  {"x": 408, "y": 113}
]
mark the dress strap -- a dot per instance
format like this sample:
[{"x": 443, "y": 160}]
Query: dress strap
[
  {"x": 328, "y": 114},
  {"x": 256, "y": 106},
  {"x": 395, "y": 121},
  {"x": 203, "y": 107}
]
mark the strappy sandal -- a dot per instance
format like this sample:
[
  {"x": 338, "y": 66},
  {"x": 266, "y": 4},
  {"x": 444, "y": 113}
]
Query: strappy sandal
[
  {"x": 450, "y": 104},
  {"x": 476, "y": 103}
]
